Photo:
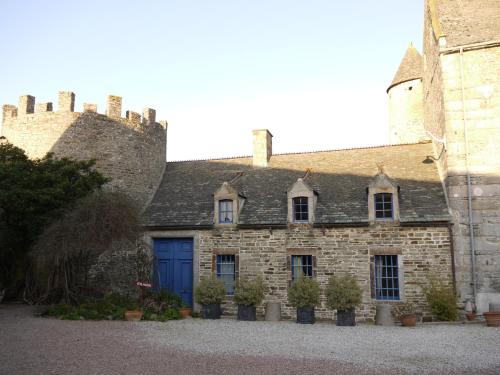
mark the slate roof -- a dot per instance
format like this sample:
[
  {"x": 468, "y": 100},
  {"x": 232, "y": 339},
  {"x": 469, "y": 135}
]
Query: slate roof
[
  {"x": 185, "y": 195},
  {"x": 469, "y": 21},
  {"x": 410, "y": 67}
]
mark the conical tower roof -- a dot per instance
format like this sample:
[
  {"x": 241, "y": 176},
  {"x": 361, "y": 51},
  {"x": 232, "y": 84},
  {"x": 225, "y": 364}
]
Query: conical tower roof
[{"x": 410, "y": 67}]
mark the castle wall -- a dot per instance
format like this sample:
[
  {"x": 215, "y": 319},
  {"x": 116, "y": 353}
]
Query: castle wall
[
  {"x": 131, "y": 151},
  {"x": 264, "y": 252},
  {"x": 446, "y": 113},
  {"x": 479, "y": 111},
  {"x": 406, "y": 117}
]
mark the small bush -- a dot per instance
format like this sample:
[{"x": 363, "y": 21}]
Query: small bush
[
  {"x": 304, "y": 292},
  {"x": 442, "y": 299},
  {"x": 111, "y": 307},
  {"x": 210, "y": 290},
  {"x": 249, "y": 292},
  {"x": 161, "y": 306},
  {"x": 343, "y": 293}
]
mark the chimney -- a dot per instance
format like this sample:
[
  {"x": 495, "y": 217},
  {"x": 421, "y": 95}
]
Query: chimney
[{"x": 262, "y": 147}]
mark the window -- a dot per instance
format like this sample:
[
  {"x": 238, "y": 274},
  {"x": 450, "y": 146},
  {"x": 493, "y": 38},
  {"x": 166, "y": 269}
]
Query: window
[
  {"x": 383, "y": 205},
  {"x": 300, "y": 209},
  {"x": 226, "y": 211},
  {"x": 226, "y": 271},
  {"x": 302, "y": 265},
  {"x": 386, "y": 277}
]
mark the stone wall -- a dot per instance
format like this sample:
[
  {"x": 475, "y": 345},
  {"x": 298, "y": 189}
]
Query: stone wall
[
  {"x": 406, "y": 117},
  {"x": 476, "y": 110},
  {"x": 131, "y": 151},
  {"x": 462, "y": 91},
  {"x": 263, "y": 252}
]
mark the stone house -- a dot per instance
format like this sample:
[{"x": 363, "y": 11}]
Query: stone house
[
  {"x": 379, "y": 213},
  {"x": 428, "y": 203}
]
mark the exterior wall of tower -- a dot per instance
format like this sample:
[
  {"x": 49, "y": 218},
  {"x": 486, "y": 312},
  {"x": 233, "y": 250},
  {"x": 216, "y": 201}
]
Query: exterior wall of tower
[
  {"x": 130, "y": 151},
  {"x": 406, "y": 117},
  {"x": 448, "y": 111}
]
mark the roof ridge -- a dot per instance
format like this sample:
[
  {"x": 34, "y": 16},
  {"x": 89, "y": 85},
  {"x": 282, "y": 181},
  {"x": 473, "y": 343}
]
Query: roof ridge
[{"x": 309, "y": 152}]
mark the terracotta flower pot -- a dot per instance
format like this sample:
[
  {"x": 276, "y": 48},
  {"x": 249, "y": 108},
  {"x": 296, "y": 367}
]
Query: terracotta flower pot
[
  {"x": 185, "y": 312},
  {"x": 470, "y": 316},
  {"x": 409, "y": 320},
  {"x": 492, "y": 318},
  {"x": 133, "y": 315}
]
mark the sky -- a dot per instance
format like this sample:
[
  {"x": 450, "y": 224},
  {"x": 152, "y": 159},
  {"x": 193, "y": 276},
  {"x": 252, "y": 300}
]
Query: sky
[{"x": 314, "y": 72}]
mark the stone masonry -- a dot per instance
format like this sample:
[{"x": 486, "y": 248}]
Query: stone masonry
[
  {"x": 131, "y": 151},
  {"x": 425, "y": 251}
]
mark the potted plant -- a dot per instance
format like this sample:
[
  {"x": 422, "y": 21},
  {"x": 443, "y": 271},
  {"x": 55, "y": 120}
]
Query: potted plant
[
  {"x": 248, "y": 294},
  {"x": 304, "y": 295},
  {"x": 185, "y": 311},
  {"x": 493, "y": 316},
  {"x": 405, "y": 313},
  {"x": 343, "y": 294},
  {"x": 209, "y": 293}
]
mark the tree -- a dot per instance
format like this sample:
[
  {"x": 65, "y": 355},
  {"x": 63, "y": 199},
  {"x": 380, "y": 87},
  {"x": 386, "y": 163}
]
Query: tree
[{"x": 32, "y": 194}]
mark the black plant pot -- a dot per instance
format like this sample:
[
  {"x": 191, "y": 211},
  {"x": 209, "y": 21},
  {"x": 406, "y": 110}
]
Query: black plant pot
[
  {"x": 247, "y": 313},
  {"x": 346, "y": 317},
  {"x": 211, "y": 311},
  {"x": 305, "y": 315}
]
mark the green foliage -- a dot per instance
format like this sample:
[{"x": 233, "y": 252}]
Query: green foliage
[
  {"x": 343, "y": 292},
  {"x": 249, "y": 292},
  {"x": 161, "y": 306},
  {"x": 64, "y": 252},
  {"x": 111, "y": 307},
  {"x": 210, "y": 290},
  {"x": 32, "y": 194},
  {"x": 442, "y": 299},
  {"x": 305, "y": 291}
]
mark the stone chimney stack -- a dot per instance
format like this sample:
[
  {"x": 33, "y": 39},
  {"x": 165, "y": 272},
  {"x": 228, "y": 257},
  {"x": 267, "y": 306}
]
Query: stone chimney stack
[{"x": 262, "y": 147}]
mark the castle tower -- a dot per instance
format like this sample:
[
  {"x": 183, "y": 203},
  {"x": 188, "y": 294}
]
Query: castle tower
[
  {"x": 129, "y": 150},
  {"x": 406, "y": 119}
]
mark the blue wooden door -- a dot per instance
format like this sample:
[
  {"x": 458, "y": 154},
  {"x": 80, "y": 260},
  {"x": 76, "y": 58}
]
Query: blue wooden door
[{"x": 175, "y": 266}]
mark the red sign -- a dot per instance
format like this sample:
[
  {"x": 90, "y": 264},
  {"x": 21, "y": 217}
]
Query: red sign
[{"x": 146, "y": 285}]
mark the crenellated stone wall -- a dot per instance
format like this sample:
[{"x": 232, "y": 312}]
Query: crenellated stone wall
[
  {"x": 131, "y": 151},
  {"x": 263, "y": 252}
]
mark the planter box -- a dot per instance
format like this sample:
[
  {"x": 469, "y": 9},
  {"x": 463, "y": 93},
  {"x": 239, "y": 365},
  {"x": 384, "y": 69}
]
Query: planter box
[
  {"x": 211, "y": 311},
  {"x": 346, "y": 317},
  {"x": 248, "y": 313},
  {"x": 305, "y": 315}
]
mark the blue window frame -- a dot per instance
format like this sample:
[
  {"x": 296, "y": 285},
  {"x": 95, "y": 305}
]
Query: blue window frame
[
  {"x": 302, "y": 265},
  {"x": 383, "y": 206},
  {"x": 226, "y": 211},
  {"x": 300, "y": 209},
  {"x": 226, "y": 271},
  {"x": 386, "y": 277}
]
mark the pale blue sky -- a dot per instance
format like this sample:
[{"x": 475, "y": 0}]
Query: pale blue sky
[{"x": 313, "y": 72}]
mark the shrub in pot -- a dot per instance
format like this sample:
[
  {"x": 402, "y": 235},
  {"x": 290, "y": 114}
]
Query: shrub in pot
[
  {"x": 405, "y": 312},
  {"x": 343, "y": 294},
  {"x": 209, "y": 293},
  {"x": 304, "y": 295},
  {"x": 442, "y": 299},
  {"x": 248, "y": 294}
]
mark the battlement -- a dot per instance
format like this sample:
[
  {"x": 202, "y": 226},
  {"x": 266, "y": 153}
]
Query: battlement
[{"x": 66, "y": 103}]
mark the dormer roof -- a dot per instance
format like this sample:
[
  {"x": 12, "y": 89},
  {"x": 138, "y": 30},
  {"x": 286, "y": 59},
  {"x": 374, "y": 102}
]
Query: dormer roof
[{"x": 410, "y": 67}]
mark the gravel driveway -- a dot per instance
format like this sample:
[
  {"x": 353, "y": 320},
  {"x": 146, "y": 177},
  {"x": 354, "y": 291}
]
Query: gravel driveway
[{"x": 30, "y": 345}]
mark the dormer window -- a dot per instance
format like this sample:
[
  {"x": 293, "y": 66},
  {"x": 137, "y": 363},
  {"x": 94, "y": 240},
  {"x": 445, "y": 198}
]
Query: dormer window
[
  {"x": 227, "y": 205},
  {"x": 225, "y": 211},
  {"x": 383, "y": 206},
  {"x": 383, "y": 202},
  {"x": 301, "y": 203},
  {"x": 300, "y": 210}
]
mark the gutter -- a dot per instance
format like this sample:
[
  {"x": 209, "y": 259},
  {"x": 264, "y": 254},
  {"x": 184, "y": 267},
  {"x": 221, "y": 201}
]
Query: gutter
[{"x": 467, "y": 171}]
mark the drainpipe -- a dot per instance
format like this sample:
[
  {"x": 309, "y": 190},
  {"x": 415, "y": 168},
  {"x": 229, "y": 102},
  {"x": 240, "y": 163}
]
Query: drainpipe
[{"x": 469, "y": 192}]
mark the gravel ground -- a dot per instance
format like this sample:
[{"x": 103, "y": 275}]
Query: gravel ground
[{"x": 30, "y": 345}]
